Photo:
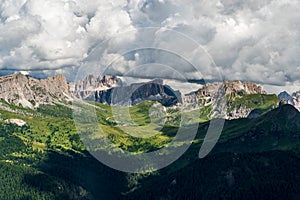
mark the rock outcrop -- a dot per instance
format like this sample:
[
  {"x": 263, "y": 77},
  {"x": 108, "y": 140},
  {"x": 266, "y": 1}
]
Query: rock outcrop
[
  {"x": 296, "y": 99},
  {"x": 26, "y": 91},
  {"x": 234, "y": 87},
  {"x": 227, "y": 92},
  {"x": 18, "y": 122},
  {"x": 139, "y": 92},
  {"x": 241, "y": 98},
  {"x": 293, "y": 99},
  {"x": 288, "y": 99},
  {"x": 85, "y": 89}
]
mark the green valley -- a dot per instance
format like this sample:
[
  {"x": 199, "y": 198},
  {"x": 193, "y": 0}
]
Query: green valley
[{"x": 46, "y": 159}]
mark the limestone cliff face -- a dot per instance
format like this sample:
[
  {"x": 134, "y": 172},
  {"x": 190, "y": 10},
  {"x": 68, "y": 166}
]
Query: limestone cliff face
[
  {"x": 293, "y": 99},
  {"x": 243, "y": 87},
  {"x": 286, "y": 97},
  {"x": 228, "y": 92},
  {"x": 139, "y": 92},
  {"x": 241, "y": 98},
  {"x": 296, "y": 98},
  {"x": 234, "y": 87},
  {"x": 85, "y": 89},
  {"x": 109, "y": 90},
  {"x": 19, "y": 89}
]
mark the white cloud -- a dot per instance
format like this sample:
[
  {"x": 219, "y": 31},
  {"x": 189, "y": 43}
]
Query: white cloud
[
  {"x": 256, "y": 40},
  {"x": 38, "y": 34}
]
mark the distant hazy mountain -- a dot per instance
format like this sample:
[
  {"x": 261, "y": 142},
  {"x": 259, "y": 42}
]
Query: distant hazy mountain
[
  {"x": 287, "y": 97},
  {"x": 85, "y": 89},
  {"x": 293, "y": 99},
  {"x": 139, "y": 92},
  {"x": 296, "y": 98},
  {"x": 109, "y": 90}
]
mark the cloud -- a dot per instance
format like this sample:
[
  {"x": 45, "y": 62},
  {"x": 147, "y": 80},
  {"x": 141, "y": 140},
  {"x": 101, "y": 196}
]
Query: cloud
[
  {"x": 256, "y": 40},
  {"x": 49, "y": 34}
]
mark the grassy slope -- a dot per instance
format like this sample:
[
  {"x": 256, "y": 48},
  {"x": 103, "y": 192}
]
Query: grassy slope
[
  {"x": 260, "y": 102},
  {"x": 243, "y": 139},
  {"x": 52, "y": 148}
]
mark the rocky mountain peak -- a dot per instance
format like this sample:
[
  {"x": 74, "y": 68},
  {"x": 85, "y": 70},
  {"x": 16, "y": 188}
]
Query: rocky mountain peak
[
  {"x": 233, "y": 87},
  {"x": 233, "y": 92},
  {"x": 286, "y": 97},
  {"x": 29, "y": 92},
  {"x": 293, "y": 99},
  {"x": 243, "y": 87},
  {"x": 87, "y": 87},
  {"x": 296, "y": 99},
  {"x": 138, "y": 92},
  {"x": 242, "y": 97}
]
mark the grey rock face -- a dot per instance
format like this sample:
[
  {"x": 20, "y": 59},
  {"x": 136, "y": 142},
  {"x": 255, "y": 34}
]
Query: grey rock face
[
  {"x": 85, "y": 89},
  {"x": 28, "y": 92},
  {"x": 296, "y": 99},
  {"x": 293, "y": 99},
  {"x": 19, "y": 89},
  {"x": 286, "y": 97},
  {"x": 211, "y": 93},
  {"x": 139, "y": 92}
]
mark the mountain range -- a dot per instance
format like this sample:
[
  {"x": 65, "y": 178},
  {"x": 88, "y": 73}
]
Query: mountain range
[
  {"x": 243, "y": 99},
  {"x": 42, "y": 154}
]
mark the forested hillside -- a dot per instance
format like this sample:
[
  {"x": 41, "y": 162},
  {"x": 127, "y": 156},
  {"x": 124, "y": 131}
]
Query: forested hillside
[{"x": 46, "y": 159}]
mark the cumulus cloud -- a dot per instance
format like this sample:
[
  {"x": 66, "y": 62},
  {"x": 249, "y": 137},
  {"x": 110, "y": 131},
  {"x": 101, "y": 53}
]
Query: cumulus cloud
[
  {"x": 256, "y": 40},
  {"x": 50, "y": 34}
]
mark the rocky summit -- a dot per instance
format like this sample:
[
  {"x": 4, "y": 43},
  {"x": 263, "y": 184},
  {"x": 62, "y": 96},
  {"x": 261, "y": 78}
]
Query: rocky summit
[
  {"x": 227, "y": 88},
  {"x": 288, "y": 99},
  {"x": 241, "y": 98},
  {"x": 296, "y": 98},
  {"x": 234, "y": 87},
  {"x": 293, "y": 99},
  {"x": 86, "y": 88},
  {"x": 139, "y": 92},
  {"x": 29, "y": 92}
]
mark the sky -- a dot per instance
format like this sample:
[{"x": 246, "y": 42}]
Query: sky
[{"x": 248, "y": 40}]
